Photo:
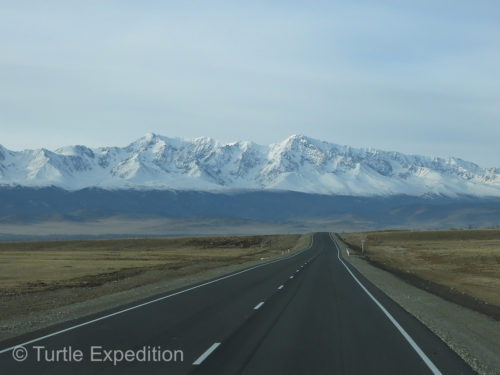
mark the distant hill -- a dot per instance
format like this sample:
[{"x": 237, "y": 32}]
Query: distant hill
[{"x": 30, "y": 205}]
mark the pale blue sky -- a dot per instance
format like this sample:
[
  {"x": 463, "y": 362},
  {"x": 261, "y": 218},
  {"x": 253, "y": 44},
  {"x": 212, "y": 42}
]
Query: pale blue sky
[{"x": 413, "y": 76}]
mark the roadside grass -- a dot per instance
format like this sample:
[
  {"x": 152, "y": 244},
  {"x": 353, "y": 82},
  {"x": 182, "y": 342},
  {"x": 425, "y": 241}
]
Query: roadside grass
[
  {"x": 27, "y": 267},
  {"x": 466, "y": 262}
]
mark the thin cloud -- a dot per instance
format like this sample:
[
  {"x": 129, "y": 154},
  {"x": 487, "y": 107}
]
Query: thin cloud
[{"x": 419, "y": 77}]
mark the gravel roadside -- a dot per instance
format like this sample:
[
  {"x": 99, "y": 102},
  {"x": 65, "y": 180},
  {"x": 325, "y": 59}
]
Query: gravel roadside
[{"x": 473, "y": 336}]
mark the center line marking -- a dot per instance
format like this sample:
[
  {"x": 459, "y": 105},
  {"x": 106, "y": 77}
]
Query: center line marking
[
  {"x": 206, "y": 354},
  {"x": 88, "y": 322},
  {"x": 280, "y": 287},
  {"x": 258, "y": 306},
  {"x": 291, "y": 277}
]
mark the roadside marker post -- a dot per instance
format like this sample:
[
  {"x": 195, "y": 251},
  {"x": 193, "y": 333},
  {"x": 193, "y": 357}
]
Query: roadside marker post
[{"x": 363, "y": 246}]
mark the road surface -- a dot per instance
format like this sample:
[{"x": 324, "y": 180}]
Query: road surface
[{"x": 307, "y": 314}]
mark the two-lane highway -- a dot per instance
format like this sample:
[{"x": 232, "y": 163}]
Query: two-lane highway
[{"x": 306, "y": 314}]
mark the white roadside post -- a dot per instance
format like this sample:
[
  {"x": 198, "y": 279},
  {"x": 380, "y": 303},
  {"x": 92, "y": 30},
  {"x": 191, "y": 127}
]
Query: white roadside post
[{"x": 363, "y": 246}]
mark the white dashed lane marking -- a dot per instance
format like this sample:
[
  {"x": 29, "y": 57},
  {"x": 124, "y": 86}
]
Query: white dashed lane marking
[
  {"x": 204, "y": 356},
  {"x": 259, "y": 305}
]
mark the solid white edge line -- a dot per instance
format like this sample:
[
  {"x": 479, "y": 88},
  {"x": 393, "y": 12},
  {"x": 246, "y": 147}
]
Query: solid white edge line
[
  {"x": 408, "y": 338},
  {"x": 204, "y": 356},
  {"x": 259, "y": 305},
  {"x": 153, "y": 301}
]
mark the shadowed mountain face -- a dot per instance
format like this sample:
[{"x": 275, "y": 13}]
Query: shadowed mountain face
[
  {"x": 299, "y": 164},
  {"x": 21, "y": 205}
]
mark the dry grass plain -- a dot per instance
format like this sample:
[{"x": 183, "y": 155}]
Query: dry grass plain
[
  {"x": 460, "y": 265},
  {"x": 35, "y": 276}
]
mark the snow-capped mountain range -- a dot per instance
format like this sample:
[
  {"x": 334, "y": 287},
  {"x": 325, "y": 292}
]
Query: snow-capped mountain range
[{"x": 298, "y": 163}]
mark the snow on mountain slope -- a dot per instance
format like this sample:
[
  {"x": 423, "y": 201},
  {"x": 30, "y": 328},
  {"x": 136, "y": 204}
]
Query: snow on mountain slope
[{"x": 298, "y": 163}]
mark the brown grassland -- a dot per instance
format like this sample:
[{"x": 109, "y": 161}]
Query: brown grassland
[
  {"x": 33, "y": 266},
  {"x": 461, "y": 265},
  {"x": 48, "y": 274}
]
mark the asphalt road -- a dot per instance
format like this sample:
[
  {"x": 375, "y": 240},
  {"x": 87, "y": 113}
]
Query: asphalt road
[{"x": 307, "y": 314}]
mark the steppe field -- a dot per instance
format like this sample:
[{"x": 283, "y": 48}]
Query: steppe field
[
  {"x": 460, "y": 265},
  {"x": 35, "y": 276}
]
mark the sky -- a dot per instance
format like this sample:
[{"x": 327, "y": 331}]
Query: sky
[{"x": 419, "y": 77}]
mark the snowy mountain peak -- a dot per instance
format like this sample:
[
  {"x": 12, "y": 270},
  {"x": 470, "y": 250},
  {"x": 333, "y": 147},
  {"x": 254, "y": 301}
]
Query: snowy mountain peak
[
  {"x": 296, "y": 141},
  {"x": 298, "y": 163},
  {"x": 77, "y": 150}
]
